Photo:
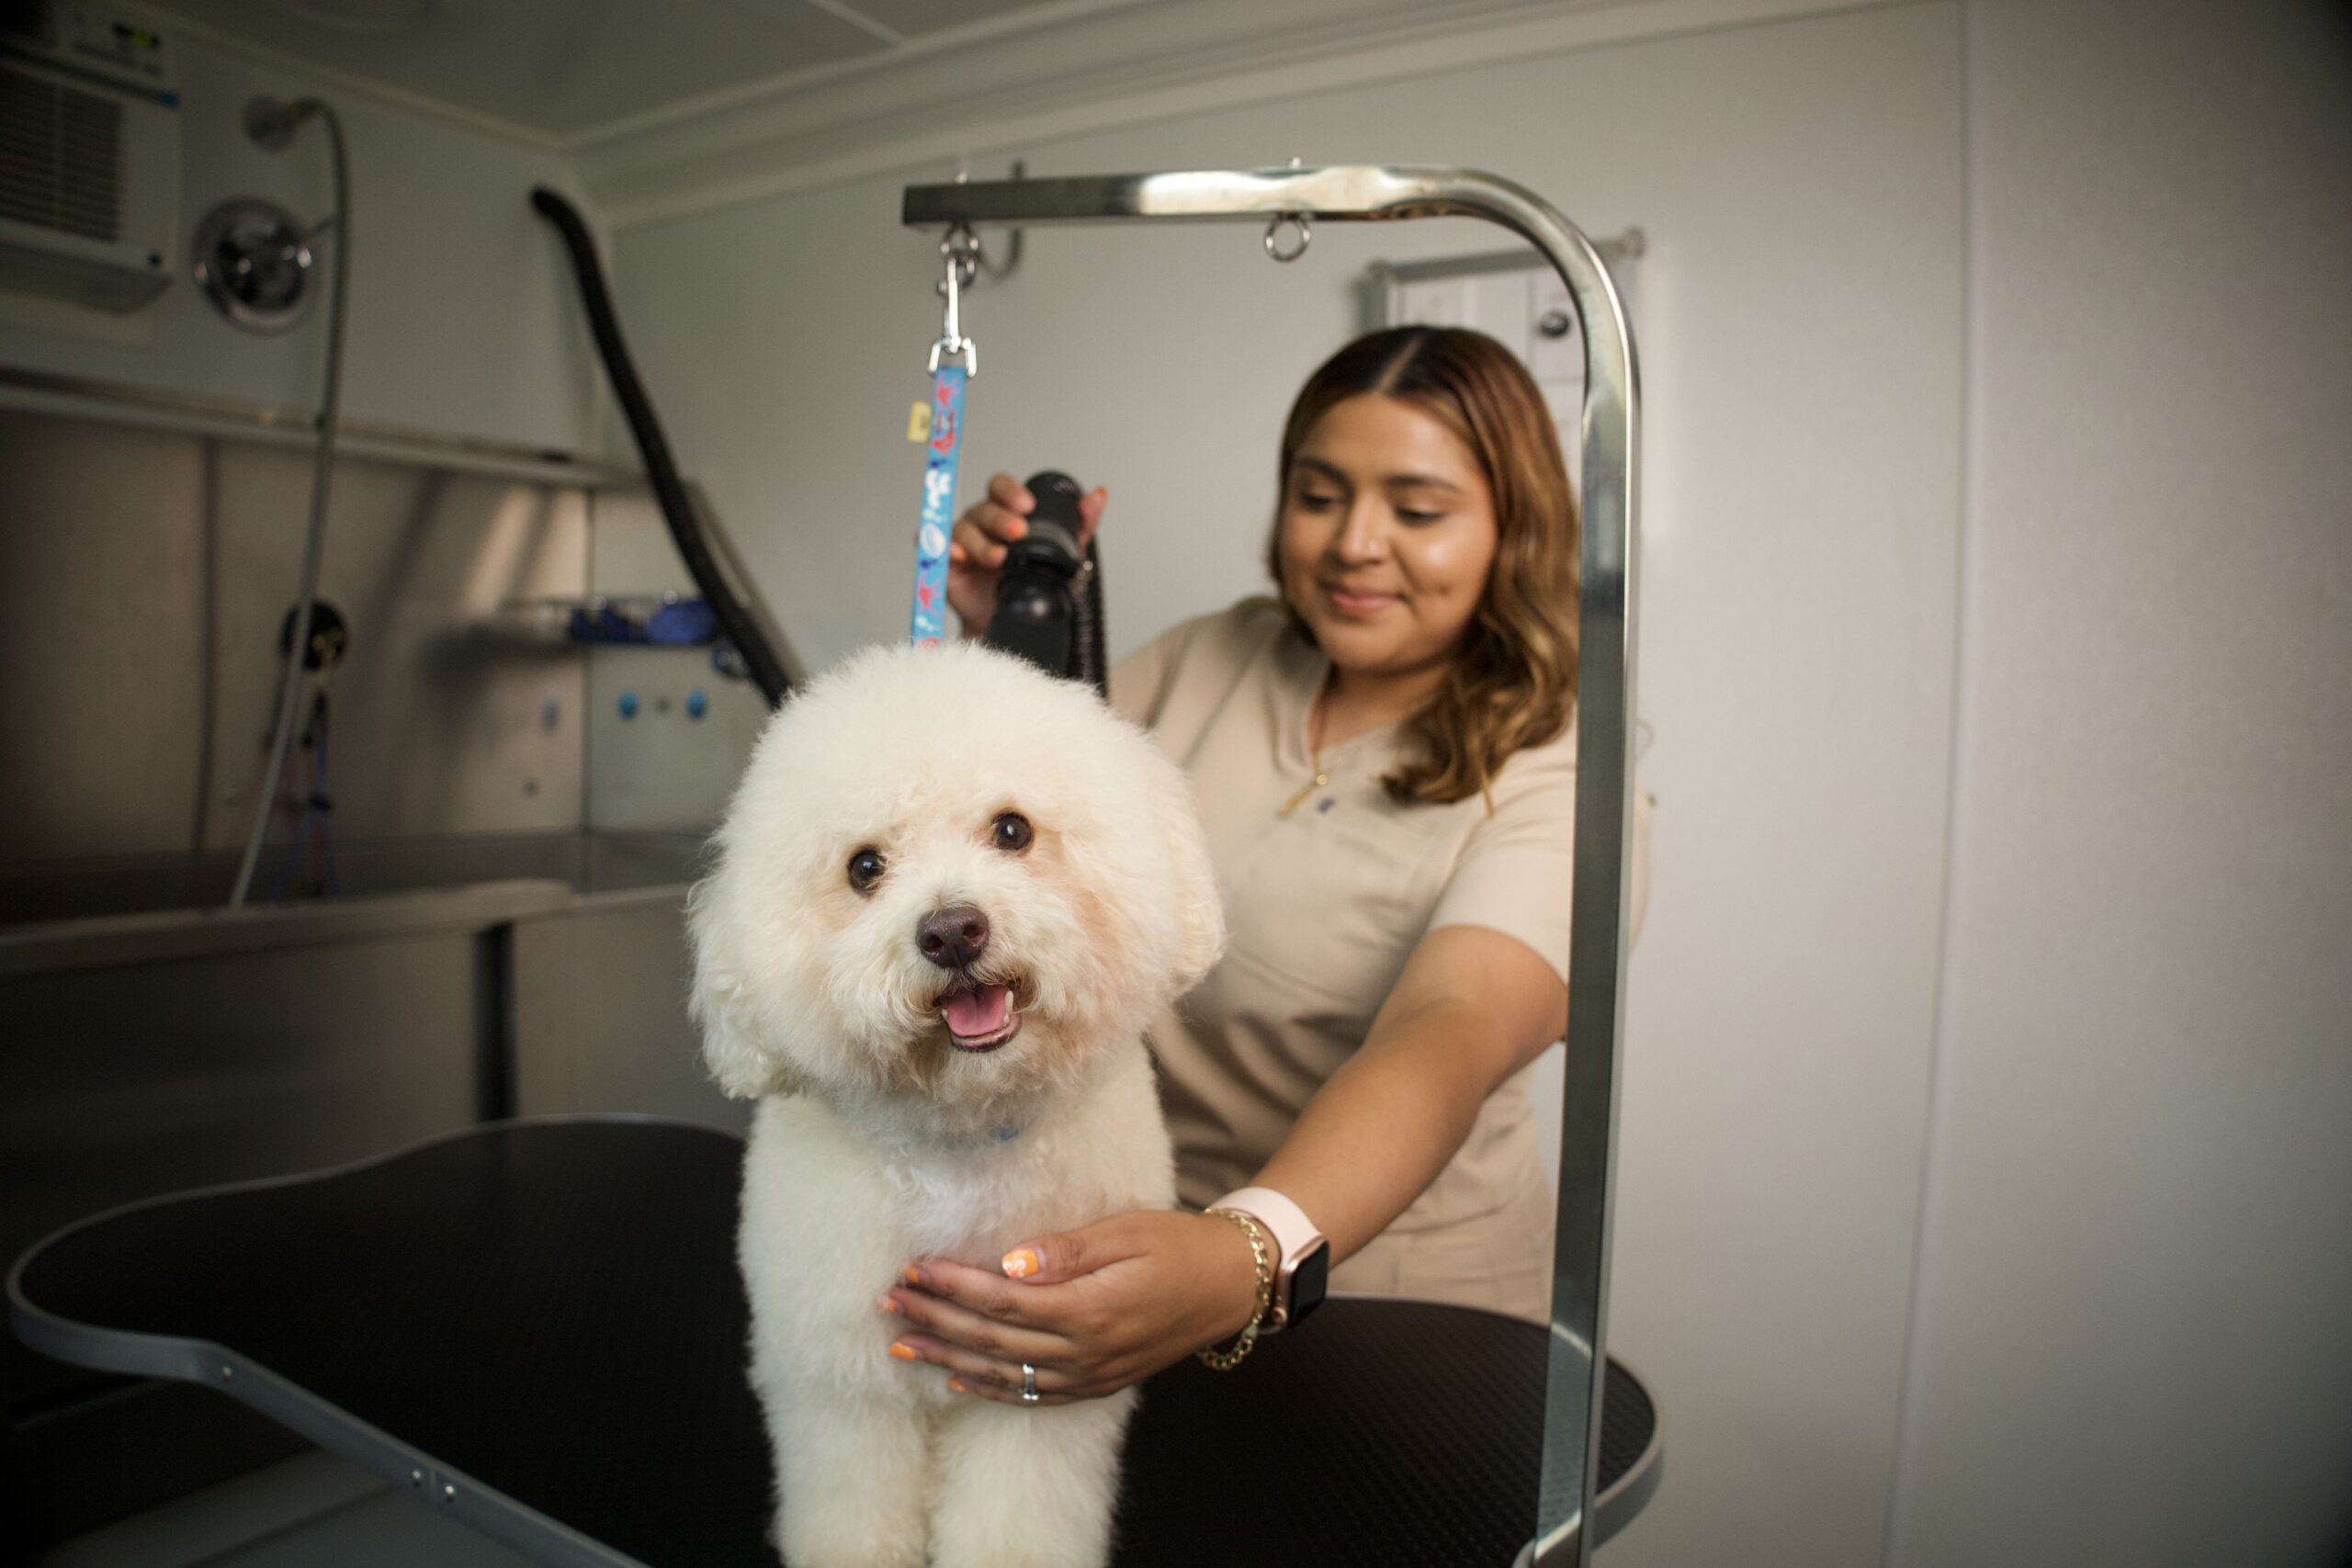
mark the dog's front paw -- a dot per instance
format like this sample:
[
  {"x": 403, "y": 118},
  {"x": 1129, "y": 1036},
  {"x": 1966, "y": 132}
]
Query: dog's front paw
[
  {"x": 1029, "y": 1488},
  {"x": 829, "y": 1536},
  {"x": 850, "y": 1482}
]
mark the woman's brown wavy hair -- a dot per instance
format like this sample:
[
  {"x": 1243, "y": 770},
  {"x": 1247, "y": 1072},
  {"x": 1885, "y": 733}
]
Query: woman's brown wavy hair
[{"x": 1513, "y": 680}]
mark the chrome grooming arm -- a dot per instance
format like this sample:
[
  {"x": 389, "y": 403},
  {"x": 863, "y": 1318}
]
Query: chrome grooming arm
[{"x": 1370, "y": 193}]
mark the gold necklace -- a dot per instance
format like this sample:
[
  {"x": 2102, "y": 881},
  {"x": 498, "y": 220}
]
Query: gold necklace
[{"x": 1315, "y": 724}]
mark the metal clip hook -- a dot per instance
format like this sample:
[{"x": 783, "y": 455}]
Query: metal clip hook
[
  {"x": 962, "y": 253},
  {"x": 1297, "y": 220}
]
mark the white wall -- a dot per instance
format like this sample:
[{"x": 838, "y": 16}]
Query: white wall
[
  {"x": 2135, "y": 1343},
  {"x": 1801, "y": 343},
  {"x": 462, "y": 317}
]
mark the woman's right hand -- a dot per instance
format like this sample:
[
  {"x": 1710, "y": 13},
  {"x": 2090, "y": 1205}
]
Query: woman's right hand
[{"x": 976, "y": 550}]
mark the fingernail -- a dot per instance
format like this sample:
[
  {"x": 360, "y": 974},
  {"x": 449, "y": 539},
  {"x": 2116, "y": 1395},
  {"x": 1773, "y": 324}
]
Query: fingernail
[
  {"x": 1021, "y": 1263},
  {"x": 914, "y": 1275},
  {"x": 958, "y": 1384},
  {"x": 886, "y": 1303},
  {"x": 903, "y": 1351}
]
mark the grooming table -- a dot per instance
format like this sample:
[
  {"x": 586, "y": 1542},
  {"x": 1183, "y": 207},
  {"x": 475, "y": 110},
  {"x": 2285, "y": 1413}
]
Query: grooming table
[{"x": 539, "y": 1327}]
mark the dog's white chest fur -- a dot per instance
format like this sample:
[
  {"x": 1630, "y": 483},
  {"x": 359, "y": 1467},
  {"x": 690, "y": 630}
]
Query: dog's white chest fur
[{"x": 825, "y": 1194}]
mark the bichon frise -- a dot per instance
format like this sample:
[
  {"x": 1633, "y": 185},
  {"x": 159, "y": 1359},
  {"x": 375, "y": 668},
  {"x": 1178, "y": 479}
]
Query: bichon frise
[{"x": 948, "y": 892}]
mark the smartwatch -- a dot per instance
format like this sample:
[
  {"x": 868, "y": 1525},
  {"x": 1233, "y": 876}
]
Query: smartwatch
[{"x": 1304, "y": 1273}]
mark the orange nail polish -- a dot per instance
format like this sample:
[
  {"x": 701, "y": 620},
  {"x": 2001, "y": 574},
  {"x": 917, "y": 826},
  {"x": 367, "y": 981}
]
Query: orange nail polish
[
  {"x": 958, "y": 1384},
  {"x": 903, "y": 1351},
  {"x": 1021, "y": 1263},
  {"x": 914, "y": 1275},
  {"x": 886, "y": 1304}
]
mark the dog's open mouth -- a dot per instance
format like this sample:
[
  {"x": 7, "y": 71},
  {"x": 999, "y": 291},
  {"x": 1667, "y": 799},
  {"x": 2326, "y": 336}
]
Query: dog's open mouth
[{"x": 980, "y": 1017}]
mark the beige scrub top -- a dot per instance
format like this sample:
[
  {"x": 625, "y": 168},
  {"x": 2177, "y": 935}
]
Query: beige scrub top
[{"x": 1325, "y": 906}]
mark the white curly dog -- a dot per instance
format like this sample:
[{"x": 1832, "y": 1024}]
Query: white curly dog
[{"x": 948, "y": 892}]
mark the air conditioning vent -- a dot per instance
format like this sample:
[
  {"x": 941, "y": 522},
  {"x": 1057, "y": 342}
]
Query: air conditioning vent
[
  {"x": 61, "y": 157},
  {"x": 89, "y": 155}
]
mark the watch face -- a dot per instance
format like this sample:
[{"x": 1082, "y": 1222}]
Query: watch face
[{"x": 1308, "y": 1281}]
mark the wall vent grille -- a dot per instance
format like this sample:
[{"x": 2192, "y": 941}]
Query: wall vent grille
[{"x": 61, "y": 157}]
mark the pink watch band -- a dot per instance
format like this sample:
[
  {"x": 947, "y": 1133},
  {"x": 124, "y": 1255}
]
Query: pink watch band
[{"x": 1294, "y": 1235}]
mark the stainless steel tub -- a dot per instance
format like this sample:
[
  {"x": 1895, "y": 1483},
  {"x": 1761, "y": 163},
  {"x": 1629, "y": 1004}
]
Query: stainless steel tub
[{"x": 145, "y": 1048}]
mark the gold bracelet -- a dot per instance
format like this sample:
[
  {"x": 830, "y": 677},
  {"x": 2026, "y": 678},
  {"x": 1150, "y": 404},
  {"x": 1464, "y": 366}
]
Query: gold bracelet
[{"x": 1226, "y": 1360}]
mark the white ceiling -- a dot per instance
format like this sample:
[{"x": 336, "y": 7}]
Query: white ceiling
[
  {"x": 560, "y": 70},
  {"x": 577, "y": 72},
  {"x": 665, "y": 107}
]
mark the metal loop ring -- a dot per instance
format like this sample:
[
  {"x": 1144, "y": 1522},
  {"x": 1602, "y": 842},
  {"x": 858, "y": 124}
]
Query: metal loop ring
[
  {"x": 961, "y": 248},
  {"x": 1028, "y": 1383},
  {"x": 1273, "y": 229},
  {"x": 961, "y": 348}
]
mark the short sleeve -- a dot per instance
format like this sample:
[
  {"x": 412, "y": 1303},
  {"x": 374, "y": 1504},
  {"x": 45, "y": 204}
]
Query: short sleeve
[
  {"x": 1139, "y": 681},
  {"x": 1516, "y": 868},
  {"x": 1142, "y": 682}
]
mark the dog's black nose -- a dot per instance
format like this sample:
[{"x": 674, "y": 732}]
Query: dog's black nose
[{"x": 953, "y": 937}]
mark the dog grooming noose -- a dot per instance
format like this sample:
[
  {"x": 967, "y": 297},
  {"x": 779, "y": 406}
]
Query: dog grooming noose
[
  {"x": 1048, "y": 600},
  {"x": 943, "y": 445}
]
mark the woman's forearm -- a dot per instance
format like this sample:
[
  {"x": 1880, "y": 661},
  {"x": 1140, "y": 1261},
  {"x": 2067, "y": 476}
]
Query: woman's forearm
[
  {"x": 1380, "y": 1129},
  {"x": 1471, "y": 1007}
]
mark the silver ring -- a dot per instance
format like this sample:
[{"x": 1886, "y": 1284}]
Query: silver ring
[
  {"x": 1297, "y": 221},
  {"x": 1028, "y": 1383}
]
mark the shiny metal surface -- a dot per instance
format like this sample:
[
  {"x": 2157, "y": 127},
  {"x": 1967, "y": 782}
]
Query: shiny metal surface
[
  {"x": 82, "y": 396},
  {"x": 730, "y": 566},
  {"x": 664, "y": 771},
  {"x": 252, "y": 261},
  {"x": 599, "y": 1021},
  {"x": 149, "y": 1053},
  {"x": 1604, "y": 689},
  {"x": 152, "y": 1049},
  {"x": 153, "y": 1042},
  {"x": 961, "y": 251},
  {"x": 272, "y": 123},
  {"x": 166, "y": 563},
  {"x": 1299, "y": 227}
]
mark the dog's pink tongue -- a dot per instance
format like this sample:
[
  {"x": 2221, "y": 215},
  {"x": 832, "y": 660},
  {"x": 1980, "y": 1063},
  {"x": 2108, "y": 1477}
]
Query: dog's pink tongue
[{"x": 975, "y": 1013}]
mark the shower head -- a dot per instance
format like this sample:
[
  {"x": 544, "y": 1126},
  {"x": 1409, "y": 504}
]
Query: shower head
[{"x": 272, "y": 123}]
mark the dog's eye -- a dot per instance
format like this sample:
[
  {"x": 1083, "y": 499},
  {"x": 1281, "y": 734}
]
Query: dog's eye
[
  {"x": 1011, "y": 832},
  {"x": 866, "y": 869}
]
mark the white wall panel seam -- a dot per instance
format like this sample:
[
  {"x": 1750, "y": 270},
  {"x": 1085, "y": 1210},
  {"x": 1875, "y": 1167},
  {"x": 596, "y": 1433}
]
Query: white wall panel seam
[{"x": 1933, "y": 1172}]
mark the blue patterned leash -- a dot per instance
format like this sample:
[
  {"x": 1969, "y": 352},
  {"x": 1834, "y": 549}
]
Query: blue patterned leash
[{"x": 943, "y": 447}]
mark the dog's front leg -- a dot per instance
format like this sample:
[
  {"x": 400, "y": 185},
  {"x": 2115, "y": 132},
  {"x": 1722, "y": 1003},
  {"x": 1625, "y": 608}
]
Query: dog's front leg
[
  {"x": 850, "y": 1478},
  {"x": 1028, "y": 1488}
]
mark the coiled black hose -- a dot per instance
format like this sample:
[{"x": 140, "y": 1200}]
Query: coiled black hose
[
  {"x": 1086, "y": 630},
  {"x": 761, "y": 662}
]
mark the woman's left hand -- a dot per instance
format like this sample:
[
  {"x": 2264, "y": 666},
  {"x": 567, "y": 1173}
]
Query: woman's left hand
[{"x": 1093, "y": 1309}]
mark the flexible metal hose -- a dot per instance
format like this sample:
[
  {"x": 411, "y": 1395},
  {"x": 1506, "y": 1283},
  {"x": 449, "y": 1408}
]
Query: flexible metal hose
[{"x": 330, "y": 413}]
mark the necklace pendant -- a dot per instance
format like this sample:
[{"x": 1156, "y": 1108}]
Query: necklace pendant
[{"x": 1295, "y": 801}]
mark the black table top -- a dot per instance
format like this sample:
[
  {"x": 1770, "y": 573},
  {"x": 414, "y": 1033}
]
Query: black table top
[{"x": 548, "y": 1314}]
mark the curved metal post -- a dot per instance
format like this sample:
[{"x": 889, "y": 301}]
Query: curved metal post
[{"x": 1604, "y": 692}]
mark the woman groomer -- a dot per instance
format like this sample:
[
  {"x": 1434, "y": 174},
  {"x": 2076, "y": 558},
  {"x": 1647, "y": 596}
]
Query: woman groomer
[{"x": 1384, "y": 764}]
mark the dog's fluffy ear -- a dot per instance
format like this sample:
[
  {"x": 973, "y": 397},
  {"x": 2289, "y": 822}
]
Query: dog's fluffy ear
[
  {"x": 1199, "y": 913},
  {"x": 732, "y": 1049}
]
